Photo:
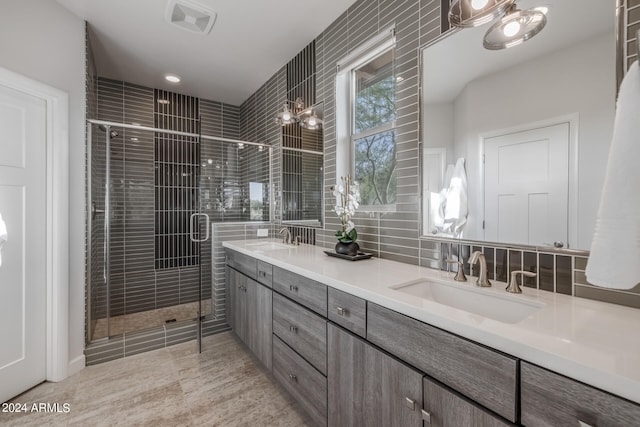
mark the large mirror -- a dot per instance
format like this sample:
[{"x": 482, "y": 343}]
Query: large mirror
[{"x": 532, "y": 125}]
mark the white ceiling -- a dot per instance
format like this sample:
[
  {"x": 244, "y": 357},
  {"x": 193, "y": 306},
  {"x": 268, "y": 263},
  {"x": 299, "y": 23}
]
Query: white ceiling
[
  {"x": 453, "y": 62},
  {"x": 250, "y": 41}
]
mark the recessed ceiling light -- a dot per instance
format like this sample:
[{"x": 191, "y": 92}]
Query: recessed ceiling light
[{"x": 172, "y": 78}]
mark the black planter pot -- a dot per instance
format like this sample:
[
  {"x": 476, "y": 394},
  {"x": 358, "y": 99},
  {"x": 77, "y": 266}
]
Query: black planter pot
[{"x": 350, "y": 249}]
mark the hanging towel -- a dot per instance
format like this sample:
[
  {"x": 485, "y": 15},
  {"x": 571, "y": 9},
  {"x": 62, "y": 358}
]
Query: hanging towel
[
  {"x": 3, "y": 236},
  {"x": 614, "y": 261}
]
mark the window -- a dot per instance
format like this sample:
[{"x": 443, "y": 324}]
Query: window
[{"x": 366, "y": 120}]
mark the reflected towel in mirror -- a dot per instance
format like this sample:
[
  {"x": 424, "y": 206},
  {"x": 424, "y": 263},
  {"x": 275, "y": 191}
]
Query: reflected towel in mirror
[
  {"x": 614, "y": 261},
  {"x": 451, "y": 209}
]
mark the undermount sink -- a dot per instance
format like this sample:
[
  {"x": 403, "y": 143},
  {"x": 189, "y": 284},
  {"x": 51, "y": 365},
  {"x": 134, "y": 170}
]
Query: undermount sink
[
  {"x": 269, "y": 246},
  {"x": 503, "y": 308}
]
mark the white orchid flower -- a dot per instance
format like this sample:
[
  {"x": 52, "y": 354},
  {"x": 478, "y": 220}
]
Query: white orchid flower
[{"x": 350, "y": 226}]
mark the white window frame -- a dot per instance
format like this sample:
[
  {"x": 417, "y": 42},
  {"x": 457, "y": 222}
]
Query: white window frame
[{"x": 345, "y": 106}]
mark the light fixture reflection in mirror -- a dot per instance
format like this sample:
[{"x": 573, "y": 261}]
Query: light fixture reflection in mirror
[
  {"x": 515, "y": 28},
  {"x": 473, "y": 13}
]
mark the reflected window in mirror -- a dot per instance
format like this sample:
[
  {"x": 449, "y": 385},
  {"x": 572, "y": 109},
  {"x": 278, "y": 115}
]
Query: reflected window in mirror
[{"x": 366, "y": 122}]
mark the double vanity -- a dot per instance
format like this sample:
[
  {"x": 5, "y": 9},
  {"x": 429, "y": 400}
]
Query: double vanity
[{"x": 377, "y": 342}]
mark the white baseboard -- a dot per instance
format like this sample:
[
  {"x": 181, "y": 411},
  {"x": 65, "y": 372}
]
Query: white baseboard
[{"x": 76, "y": 365}]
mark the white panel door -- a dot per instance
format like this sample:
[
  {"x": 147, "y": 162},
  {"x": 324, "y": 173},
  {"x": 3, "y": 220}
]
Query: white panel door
[
  {"x": 527, "y": 185},
  {"x": 23, "y": 253}
]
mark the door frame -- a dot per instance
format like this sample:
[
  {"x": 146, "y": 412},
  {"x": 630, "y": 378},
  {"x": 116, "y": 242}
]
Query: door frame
[
  {"x": 572, "y": 208},
  {"x": 57, "y": 218}
]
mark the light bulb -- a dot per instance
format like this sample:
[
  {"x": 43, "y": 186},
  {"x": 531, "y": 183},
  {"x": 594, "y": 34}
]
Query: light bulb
[
  {"x": 511, "y": 29},
  {"x": 478, "y": 4},
  {"x": 286, "y": 116},
  {"x": 312, "y": 121}
]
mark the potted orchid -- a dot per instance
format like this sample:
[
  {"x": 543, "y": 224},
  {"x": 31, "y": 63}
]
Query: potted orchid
[{"x": 347, "y": 194}]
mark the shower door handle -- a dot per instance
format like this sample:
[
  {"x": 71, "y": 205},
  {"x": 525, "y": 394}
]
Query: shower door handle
[{"x": 192, "y": 228}]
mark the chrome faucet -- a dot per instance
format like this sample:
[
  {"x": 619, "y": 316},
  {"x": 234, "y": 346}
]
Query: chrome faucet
[
  {"x": 513, "y": 286},
  {"x": 286, "y": 235},
  {"x": 482, "y": 281},
  {"x": 460, "y": 277}
]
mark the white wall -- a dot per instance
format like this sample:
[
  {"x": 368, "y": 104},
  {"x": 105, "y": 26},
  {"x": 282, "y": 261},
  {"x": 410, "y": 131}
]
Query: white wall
[
  {"x": 43, "y": 41},
  {"x": 580, "y": 79}
]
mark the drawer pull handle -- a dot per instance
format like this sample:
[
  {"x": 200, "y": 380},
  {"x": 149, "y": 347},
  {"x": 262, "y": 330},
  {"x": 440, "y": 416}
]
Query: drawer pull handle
[
  {"x": 583, "y": 424},
  {"x": 293, "y": 329},
  {"x": 341, "y": 311},
  {"x": 262, "y": 273},
  {"x": 293, "y": 378},
  {"x": 293, "y": 288},
  {"x": 426, "y": 417},
  {"x": 411, "y": 404}
]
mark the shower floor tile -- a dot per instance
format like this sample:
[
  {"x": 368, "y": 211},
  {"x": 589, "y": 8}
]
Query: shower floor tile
[
  {"x": 173, "y": 386},
  {"x": 149, "y": 319}
]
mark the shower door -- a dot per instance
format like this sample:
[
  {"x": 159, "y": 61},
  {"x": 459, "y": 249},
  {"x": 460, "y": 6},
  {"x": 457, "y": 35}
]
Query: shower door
[{"x": 146, "y": 233}]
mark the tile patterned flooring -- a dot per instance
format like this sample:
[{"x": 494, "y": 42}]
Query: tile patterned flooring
[
  {"x": 173, "y": 386},
  {"x": 149, "y": 319}
]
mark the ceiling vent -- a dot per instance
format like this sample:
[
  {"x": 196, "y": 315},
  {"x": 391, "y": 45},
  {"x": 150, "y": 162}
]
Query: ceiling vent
[{"x": 190, "y": 16}]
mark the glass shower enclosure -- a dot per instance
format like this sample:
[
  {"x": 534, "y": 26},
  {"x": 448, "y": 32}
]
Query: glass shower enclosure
[{"x": 152, "y": 194}]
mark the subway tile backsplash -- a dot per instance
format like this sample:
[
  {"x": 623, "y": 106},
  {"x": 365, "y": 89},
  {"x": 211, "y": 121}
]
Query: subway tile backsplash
[{"x": 557, "y": 271}]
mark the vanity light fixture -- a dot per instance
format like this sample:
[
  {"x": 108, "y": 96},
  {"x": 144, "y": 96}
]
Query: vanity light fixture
[
  {"x": 473, "y": 13},
  {"x": 311, "y": 121},
  {"x": 307, "y": 117},
  {"x": 515, "y": 28}
]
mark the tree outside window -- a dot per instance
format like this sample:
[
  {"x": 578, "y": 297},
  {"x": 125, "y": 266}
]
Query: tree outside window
[{"x": 373, "y": 135}]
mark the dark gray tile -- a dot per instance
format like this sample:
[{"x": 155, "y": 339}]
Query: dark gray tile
[
  {"x": 530, "y": 263},
  {"x": 581, "y": 263},
  {"x": 515, "y": 261},
  {"x": 564, "y": 283},
  {"x": 545, "y": 272},
  {"x": 501, "y": 265}
]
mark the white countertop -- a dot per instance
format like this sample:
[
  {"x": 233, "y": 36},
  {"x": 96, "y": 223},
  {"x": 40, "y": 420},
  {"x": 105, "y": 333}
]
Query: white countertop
[{"x": 591, "y": 341}]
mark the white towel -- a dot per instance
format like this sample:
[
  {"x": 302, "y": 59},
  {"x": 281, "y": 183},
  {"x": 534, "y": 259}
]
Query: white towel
[
  {"x": 3, "y": 236},
  {"x": 614, "y": 261}
]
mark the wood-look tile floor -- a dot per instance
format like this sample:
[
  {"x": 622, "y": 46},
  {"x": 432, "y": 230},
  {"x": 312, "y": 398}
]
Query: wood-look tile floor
[{"x": 173, "y": 386}]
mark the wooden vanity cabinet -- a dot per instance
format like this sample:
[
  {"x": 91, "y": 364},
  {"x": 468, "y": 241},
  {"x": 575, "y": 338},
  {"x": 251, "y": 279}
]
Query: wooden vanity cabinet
[
  {"x": 249, "y": 313},
  {"x": 484, "y": 375},
  {"x": 367, "y": 387},
  {"x": 444, "y": 408},
  {"x": 549, "y": 399}
]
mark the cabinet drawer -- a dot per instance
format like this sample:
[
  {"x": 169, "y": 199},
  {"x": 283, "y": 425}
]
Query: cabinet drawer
[
  {"x": 484, "y": 375},
  {"x": 243, "y": 263},
  {"x": 550, "y": 399},
  {"x": 307, "y": 292},
  {"x": 306, "y": 385},
  {"x": 304, "y": 331},
  {"x": 348, "y": 311},
  {"x": 445, "y": 408},
  {"x": 265, "y": 273}
]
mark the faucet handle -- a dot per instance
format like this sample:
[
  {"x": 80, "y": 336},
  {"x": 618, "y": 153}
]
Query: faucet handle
[
  {"x": 513, "y": 286},
  {"x": 460, "y": 277}
]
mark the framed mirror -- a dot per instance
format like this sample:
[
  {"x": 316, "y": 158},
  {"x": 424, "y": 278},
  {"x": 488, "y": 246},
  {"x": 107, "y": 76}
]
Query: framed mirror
[
  {"x": 532, "y": 125},
  {"x": 302, "y": 173}
]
